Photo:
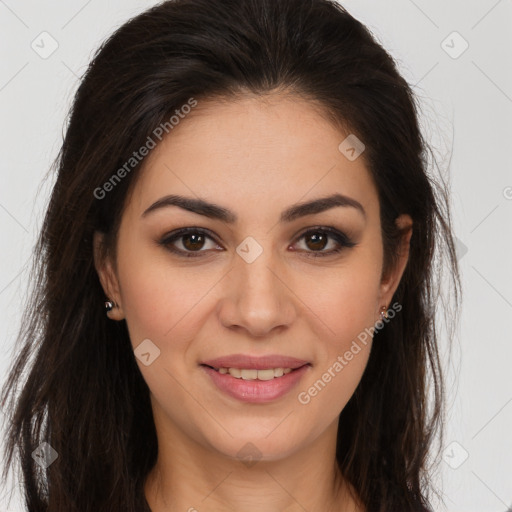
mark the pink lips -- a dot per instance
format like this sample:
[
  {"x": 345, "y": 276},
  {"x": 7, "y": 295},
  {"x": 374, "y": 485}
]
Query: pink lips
[{"x": 256, "y": 391}]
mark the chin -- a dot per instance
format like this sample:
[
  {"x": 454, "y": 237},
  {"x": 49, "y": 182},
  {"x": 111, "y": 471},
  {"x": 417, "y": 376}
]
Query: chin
[{"x": 249, "y": 448}]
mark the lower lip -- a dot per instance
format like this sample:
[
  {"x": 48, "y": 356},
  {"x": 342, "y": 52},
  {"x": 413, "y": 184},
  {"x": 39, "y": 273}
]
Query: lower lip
[{"x": 256, "y": 391}]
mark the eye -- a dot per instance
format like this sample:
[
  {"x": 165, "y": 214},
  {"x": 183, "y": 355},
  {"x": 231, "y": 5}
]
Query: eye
[
  {"x": 318, "y": 238},
  {"x": 192, "y": 240}
]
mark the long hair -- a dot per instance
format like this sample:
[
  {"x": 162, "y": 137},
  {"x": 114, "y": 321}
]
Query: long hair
[{"x": 75, "y": 383}]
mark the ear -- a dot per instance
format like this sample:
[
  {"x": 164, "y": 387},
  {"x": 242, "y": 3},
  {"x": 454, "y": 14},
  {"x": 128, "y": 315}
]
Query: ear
[
  {"x": 107, "y": 275},
  {"x": 390, "y": 282}
]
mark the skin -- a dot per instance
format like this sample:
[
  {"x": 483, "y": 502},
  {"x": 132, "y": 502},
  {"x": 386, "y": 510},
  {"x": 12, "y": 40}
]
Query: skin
[{"x": 255, "y": 156}]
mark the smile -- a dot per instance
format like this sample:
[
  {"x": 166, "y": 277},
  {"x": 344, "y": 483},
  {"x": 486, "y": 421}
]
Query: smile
[
  {"x": 252, "y": 374},
  {"x": 255, "y": 386}
]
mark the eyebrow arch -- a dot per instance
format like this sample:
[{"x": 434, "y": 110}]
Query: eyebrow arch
[{"x": 214, "y": 211}]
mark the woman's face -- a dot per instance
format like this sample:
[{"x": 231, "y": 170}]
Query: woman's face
[{"x": 256, "y": 279}]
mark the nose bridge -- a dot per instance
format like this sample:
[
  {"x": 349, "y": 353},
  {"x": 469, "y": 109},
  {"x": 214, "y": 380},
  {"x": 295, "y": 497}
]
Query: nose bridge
[
  {"x": 258, "y": 280},
  {"x": 258, "y": 300},
  {"x": 259, "y": 288}
]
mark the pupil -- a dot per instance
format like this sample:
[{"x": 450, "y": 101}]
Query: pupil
[
  {"x": 196, "y": 241},
  {"x": 319, "y": 241}
]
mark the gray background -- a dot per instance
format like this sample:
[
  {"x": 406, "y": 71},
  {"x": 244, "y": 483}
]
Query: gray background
[{"x": 467, "y": 105}]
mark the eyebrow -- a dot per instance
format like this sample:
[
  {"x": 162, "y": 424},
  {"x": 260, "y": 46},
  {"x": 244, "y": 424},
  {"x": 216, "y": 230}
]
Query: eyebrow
[{"x": 214, "y": 211}]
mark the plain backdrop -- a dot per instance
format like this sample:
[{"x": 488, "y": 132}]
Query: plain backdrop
[{"x": 457, "y": 55}]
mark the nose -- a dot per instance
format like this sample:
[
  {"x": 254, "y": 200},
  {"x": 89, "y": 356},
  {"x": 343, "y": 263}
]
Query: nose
[{"x": 257, "y": 298}]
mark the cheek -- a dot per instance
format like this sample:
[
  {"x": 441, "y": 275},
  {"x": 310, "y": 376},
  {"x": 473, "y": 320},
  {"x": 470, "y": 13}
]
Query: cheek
[
  {"x": 323, "y": 397},
  {"x": 159, "y": 298},
  {"x": 164, "y": 304},
  {"x": 344, "y": 314},
  {"x": 343, "y": 353},
  {"x": 344, "y": 300}
]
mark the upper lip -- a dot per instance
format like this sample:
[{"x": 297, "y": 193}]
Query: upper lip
[{"x": 243, "y": 361}]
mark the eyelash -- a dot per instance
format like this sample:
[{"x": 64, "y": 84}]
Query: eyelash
[{"x": 339, "y": 237}]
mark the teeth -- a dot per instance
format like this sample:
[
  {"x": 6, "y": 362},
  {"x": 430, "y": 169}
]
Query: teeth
[{"x": 252, "y": 374}]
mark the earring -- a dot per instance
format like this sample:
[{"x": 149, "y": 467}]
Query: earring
[
  {"x": 383, "y": 312},
  {"x": 109, "y": 305}
]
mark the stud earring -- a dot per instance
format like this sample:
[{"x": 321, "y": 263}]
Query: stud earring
[{"x": 109, "y": 305}]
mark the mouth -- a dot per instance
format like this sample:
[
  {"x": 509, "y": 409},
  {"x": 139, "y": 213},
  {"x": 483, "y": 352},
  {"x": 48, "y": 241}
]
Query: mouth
[
  {"x": 264, "y": 374},
  {"x": 255, "y": 380}
]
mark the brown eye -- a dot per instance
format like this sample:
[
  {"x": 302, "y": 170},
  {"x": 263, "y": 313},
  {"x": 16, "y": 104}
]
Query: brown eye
[
  {"x": 189, "y": 242},
  {"x": 193, "y": 242},
  {"x": 316, "y": 241}
]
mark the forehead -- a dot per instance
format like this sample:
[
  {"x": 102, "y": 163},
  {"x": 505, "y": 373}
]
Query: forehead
[{"x": 254, "y": 150}]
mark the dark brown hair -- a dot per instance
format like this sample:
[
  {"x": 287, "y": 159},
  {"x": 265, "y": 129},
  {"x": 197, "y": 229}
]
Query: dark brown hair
[{"x": 75, "y": 383}]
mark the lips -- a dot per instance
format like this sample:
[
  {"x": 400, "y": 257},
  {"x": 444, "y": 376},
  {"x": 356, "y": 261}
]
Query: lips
[{"x": 245, "y": 377}]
